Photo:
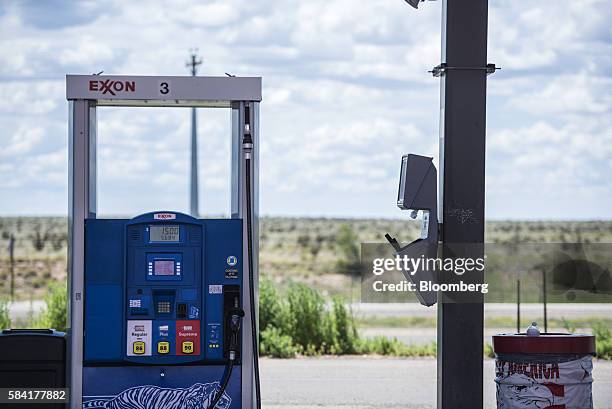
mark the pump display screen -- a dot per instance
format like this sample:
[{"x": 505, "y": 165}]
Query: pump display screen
[
  {"x": 163, "y": 267},
  {"x": 164, "y": 233}
]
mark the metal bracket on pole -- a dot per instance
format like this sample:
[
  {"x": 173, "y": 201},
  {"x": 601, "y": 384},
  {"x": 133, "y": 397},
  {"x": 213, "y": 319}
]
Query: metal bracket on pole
[{"x": 440, "y": 70}]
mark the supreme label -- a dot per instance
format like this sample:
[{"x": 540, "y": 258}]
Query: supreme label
[{"x": 188, "y": 337}]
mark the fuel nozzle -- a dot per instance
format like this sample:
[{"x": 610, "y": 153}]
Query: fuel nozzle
[{"x": 234, "y": 320}]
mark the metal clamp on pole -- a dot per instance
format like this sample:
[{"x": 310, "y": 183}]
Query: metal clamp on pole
[{"x": 440, "y": 70}]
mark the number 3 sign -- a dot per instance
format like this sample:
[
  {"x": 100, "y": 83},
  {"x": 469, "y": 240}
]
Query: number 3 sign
[{"x": 164, "y": 87}]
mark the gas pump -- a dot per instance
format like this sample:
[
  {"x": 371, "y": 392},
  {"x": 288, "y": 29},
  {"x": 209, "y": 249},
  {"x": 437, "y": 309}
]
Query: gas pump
[{"x": 163, "y": 305}]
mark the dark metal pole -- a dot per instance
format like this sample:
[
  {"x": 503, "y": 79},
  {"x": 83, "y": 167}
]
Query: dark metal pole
[
  {"x": 544, "y": 299},
  {"x": 518, "y": 306},
  {"x": 462, "y": 187},
  {"x": 12, "y": 265}
]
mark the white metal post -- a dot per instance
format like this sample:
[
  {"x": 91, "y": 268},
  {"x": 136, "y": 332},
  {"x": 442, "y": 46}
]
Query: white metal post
[
  {"x": 82, "y": 204},
  {"x": 238, "y": 210}
]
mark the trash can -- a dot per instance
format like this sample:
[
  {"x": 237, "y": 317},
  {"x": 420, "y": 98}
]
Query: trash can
[
  {"x": 548, "y": 371},
  {"x": 32, "y": 358}
]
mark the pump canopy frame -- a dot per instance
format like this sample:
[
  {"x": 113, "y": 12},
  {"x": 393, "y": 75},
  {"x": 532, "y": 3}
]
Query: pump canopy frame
[{"x": 85, "y": 94}]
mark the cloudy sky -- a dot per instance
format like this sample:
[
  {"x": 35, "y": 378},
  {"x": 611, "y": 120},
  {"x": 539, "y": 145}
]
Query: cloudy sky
[{"x": 346, "y": 93}]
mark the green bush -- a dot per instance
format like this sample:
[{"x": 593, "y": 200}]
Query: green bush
[
  {"x": 55, "y": 316},
  {"x": 568, "y": 325},
  {"x": 308, "y": 320},
  {"x": 5, "y": 319},
  {"x": 276, "y": 344},
  {"x": 347, "y": 244},
  {"x": 603, "y": 341},
  {"x": 273, "y": 309},
  {"x": 344, "y": 331},
  {"x": 300, "y": 321},
  {"x": 307, "y": 323}
]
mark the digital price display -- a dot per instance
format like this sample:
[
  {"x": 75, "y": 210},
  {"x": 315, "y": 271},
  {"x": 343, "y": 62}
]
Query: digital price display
[
  {"x": 163, "y": 267},
  {"x": 164, "y": 234}
]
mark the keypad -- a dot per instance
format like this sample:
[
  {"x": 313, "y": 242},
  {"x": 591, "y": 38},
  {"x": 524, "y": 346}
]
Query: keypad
[{"x": 163, "y": 307}]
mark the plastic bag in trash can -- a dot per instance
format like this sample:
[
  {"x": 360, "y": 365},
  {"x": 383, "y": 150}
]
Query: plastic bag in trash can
[{"x": 544, "y": 385}]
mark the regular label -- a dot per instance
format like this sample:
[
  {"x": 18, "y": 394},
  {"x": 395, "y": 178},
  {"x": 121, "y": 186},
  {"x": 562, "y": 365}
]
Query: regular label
[{"x": 139, "y": 338}]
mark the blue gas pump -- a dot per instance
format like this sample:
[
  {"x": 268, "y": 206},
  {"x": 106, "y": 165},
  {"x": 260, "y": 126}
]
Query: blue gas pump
[
  {"x": 163, "y": 305},
  {"x": 161, "y": 290}
]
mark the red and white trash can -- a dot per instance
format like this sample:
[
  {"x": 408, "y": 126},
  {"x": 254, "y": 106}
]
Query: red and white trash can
[{"x": 547, "y": 371}]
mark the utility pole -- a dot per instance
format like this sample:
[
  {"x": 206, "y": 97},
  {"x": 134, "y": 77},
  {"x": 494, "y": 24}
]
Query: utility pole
[{"x": 193, "y": 190}]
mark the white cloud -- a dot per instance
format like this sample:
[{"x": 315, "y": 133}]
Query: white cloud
[
  {"x": 88, "y": 50},
  {"x": 22, "y": 141},
  {"x": 346, "y": 93},
  {"x": 26, "y": 98},
  {"x": 566, "y": 94},
  {"x": 547, "y": 161}
]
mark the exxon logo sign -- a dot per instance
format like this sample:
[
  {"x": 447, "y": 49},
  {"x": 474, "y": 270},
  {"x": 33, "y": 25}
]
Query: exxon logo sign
[
  {"x": 164, "y": 216},
  {"x": 112, "y": 86}
]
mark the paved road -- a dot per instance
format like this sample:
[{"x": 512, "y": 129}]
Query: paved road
[
  {"x": 368, "y": 383},
  {"x": 21, "y": 309},
  {"x": 558, "y": 310},
  {"x": 427, "y": 335}
]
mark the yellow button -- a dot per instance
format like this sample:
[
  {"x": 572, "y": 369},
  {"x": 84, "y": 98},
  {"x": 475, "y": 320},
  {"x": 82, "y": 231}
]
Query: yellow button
[
  {"x": 187, "y": 347},
  {"x": 139, "y": 347},
  {"x": 163, "y": 347}
]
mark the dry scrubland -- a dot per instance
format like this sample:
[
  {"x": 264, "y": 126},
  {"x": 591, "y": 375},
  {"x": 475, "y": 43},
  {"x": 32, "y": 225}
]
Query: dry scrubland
[
  {"x": 310, "y": 269},
  {"x": 320, "y": 252}
]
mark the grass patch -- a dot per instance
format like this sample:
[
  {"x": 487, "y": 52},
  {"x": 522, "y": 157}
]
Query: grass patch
[
  {"x": 491, "y": 322},
  {"x": 5, "y": 320},
  {"x": 56, "y": 315},
  {"x": 382, "y": 345},
  {"x": 396, "y": 322}
]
